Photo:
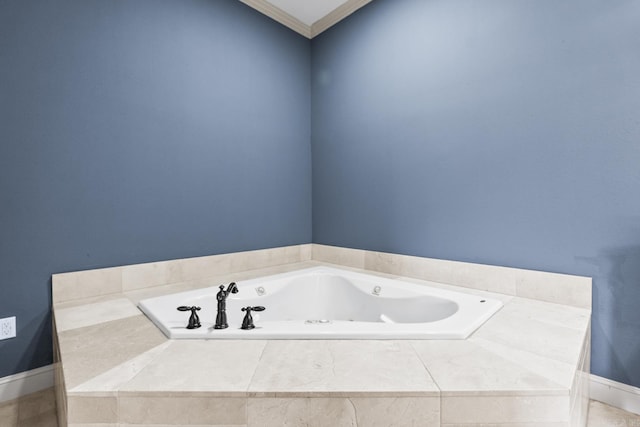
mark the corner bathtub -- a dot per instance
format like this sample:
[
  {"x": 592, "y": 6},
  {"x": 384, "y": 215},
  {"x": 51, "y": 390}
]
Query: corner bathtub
[{"x": 327, "y": 303}]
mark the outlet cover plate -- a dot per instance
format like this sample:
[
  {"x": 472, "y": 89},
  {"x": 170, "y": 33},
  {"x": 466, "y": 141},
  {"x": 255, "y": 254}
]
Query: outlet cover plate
[{"x": 7, "y": 328}]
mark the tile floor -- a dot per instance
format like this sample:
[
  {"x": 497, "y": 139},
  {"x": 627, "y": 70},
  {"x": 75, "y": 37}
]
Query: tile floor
[
  {"x": 601, "y": 415},
  {"x": 33, "y": 410},
  {"x": 38, "y": 410}
]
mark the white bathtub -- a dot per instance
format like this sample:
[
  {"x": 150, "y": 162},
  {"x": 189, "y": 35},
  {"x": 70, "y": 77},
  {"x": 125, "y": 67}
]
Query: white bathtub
[{"x": 327, "y": 303}]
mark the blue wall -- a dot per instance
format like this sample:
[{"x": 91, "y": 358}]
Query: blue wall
[
  {"x": 504, "y": 132},
  {"x": 496, "y": 131},
  {"x": 134, "y": 131}
]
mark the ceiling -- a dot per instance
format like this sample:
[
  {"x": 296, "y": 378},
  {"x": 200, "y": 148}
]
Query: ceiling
[{"x": 307, "y": 17}]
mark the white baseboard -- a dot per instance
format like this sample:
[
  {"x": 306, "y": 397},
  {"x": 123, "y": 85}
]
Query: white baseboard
[
  {"x": 615, "y": 394},
  {"x": 23, "y": 383}
]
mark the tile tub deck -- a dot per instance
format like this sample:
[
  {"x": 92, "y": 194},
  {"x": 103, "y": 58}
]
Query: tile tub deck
[{"x": 523, "y": 367}]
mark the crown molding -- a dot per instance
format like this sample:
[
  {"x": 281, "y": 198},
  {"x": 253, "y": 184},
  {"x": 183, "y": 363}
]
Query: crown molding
[
  {"x": 300, "y": 27},
  {"x": 280, "y": 16},
  {"x": 337, "y": 15}
]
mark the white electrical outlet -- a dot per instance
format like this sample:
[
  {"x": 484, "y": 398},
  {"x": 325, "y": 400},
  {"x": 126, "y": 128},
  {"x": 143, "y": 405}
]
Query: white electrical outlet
[{"x": 7, "y": 328}]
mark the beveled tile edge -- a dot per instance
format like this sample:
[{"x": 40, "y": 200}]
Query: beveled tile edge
[
  {"x": 270, "y": 394},
  {"x": 341, "y": 394},
  {"x": 544, "y": 286},
  {"x": 92, "y": 394},
  {"x": 90, "y": 314},
  {"x": 551, "y": 424},
  {"x": 241, "y": 394},
  {"x": 557, "y": 392},
  {"x": 96, "y": 425},
  {"x": 169, "y": 425}
]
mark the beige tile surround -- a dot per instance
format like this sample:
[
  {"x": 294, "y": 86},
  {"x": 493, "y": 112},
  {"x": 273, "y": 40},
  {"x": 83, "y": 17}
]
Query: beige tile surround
[
  {"x": 600, "y": 414},
  {"x": 524, "y": 367}
]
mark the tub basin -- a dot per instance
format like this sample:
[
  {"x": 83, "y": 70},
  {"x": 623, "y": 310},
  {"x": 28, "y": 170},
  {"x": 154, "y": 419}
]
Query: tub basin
[{"x": 326, "y": 303}]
